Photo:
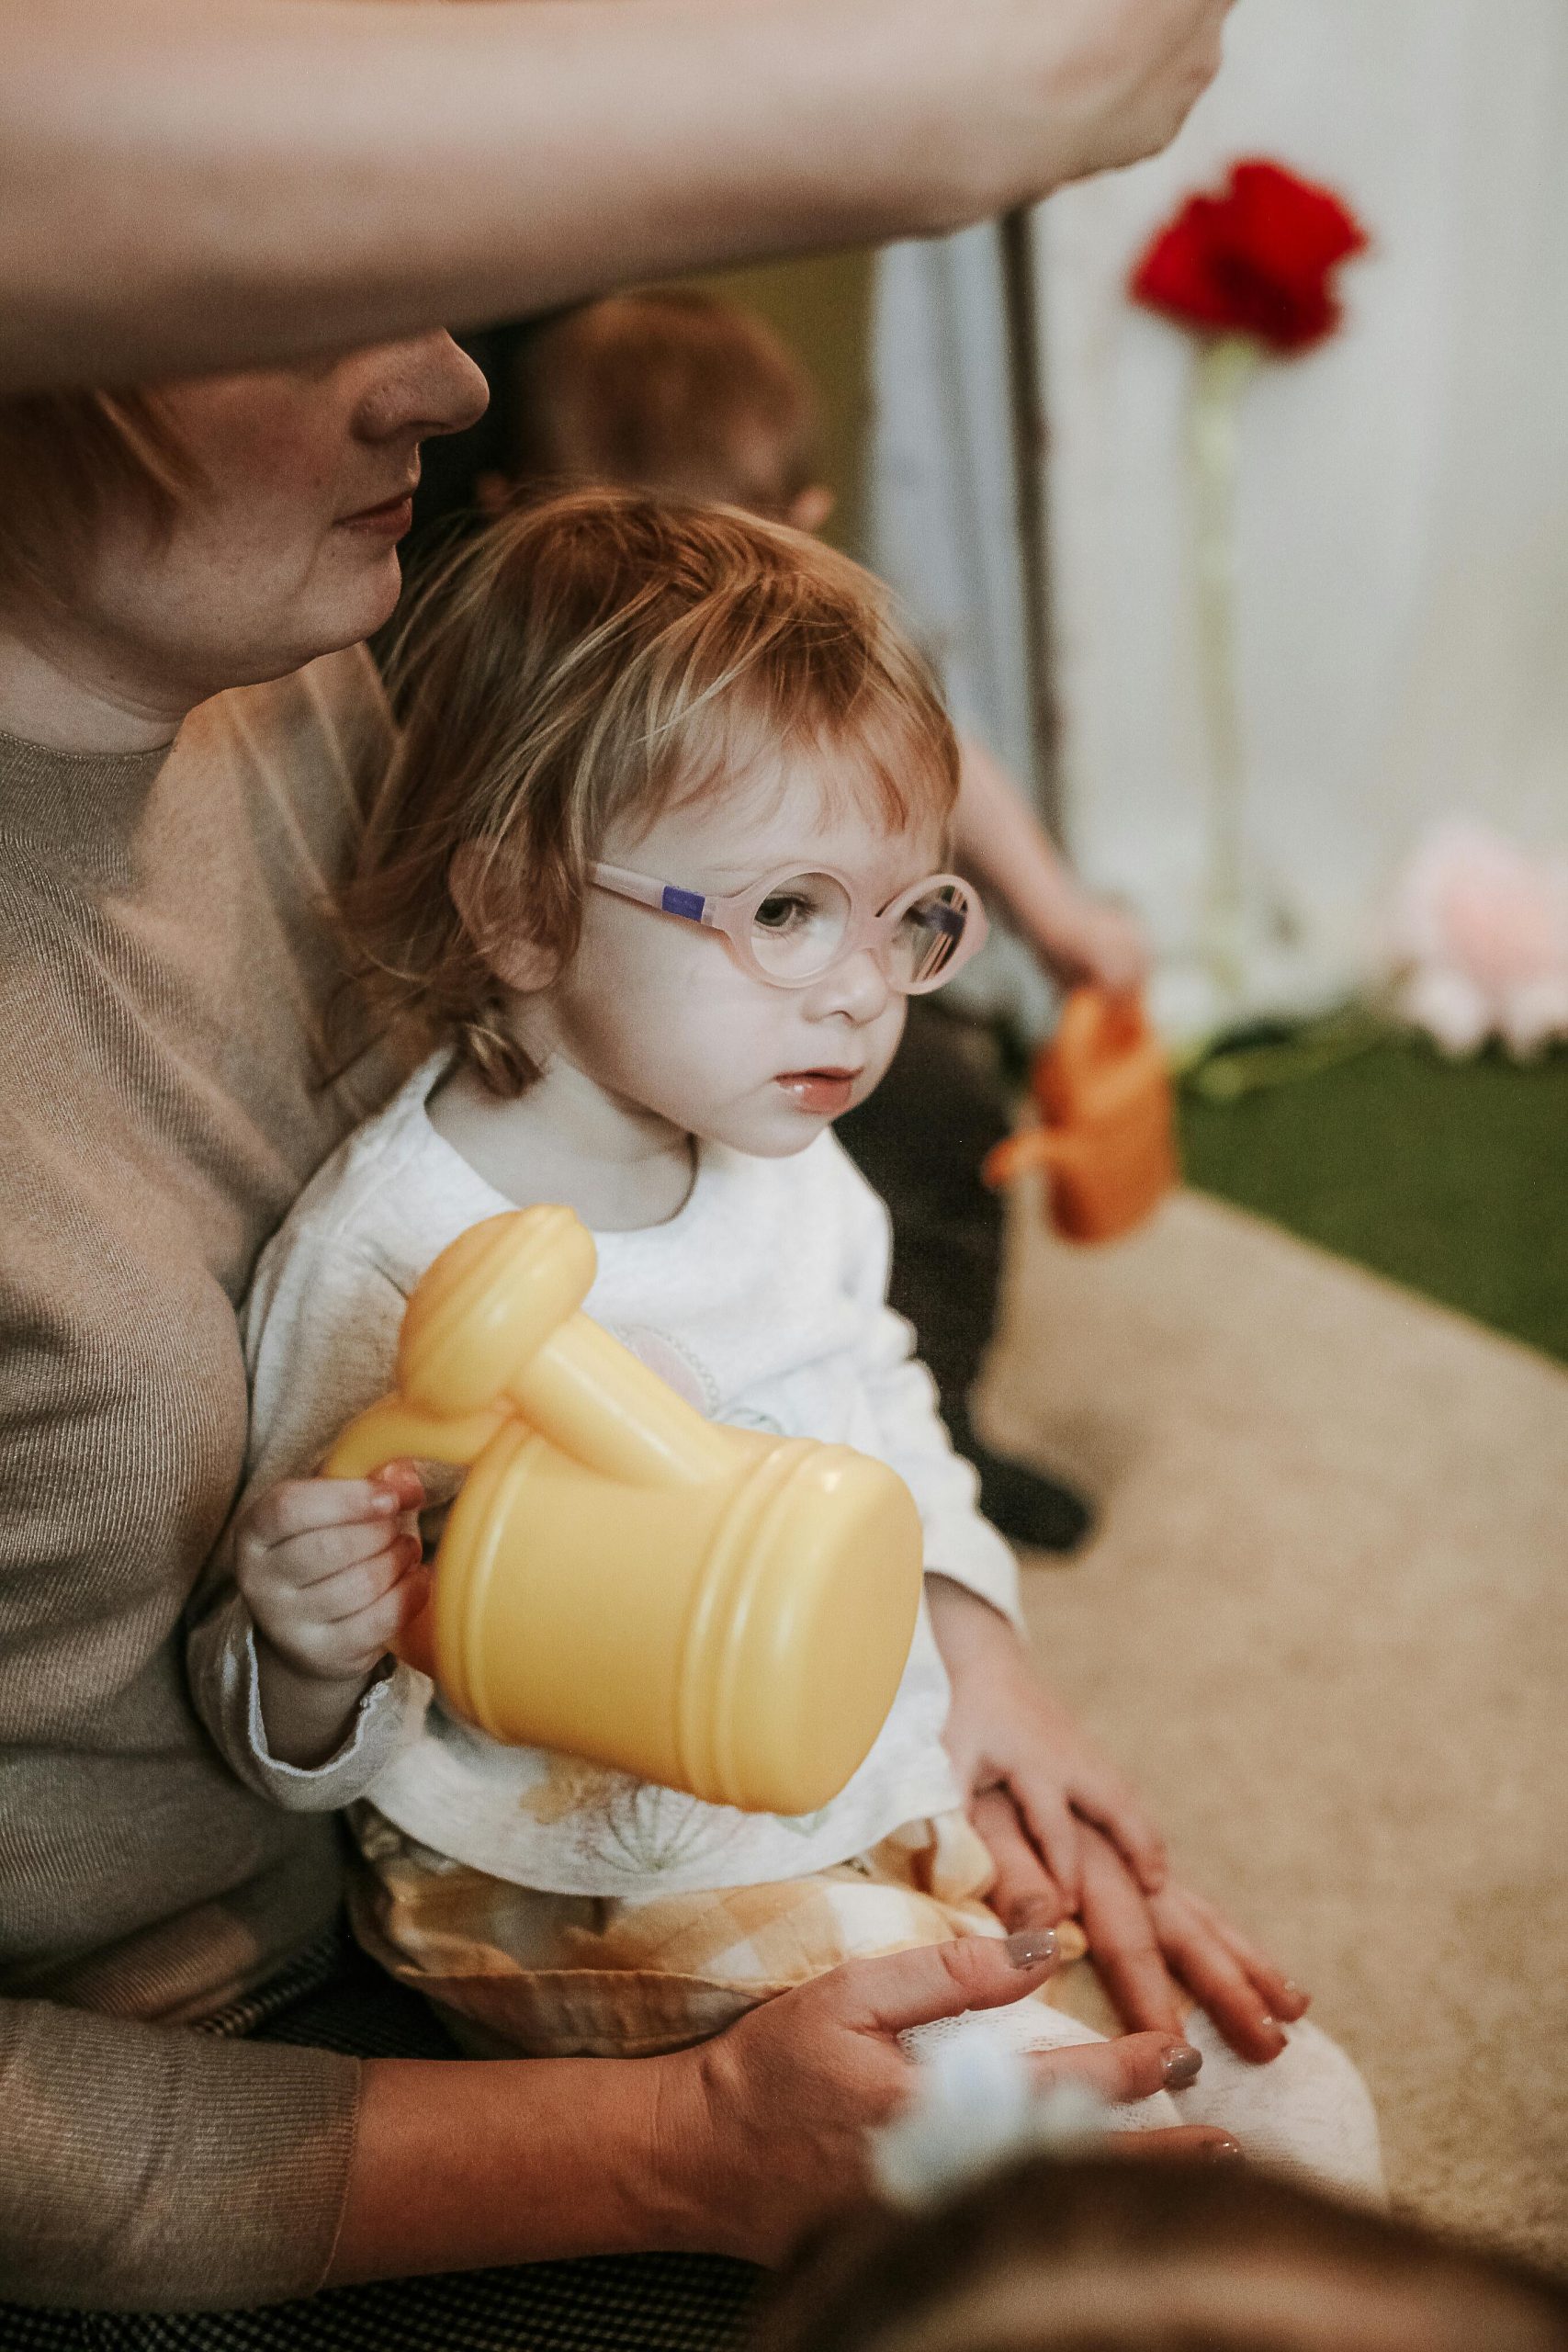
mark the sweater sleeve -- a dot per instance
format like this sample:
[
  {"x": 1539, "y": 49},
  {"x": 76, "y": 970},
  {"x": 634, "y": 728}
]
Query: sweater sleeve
[
  {"x": 959, "y": 1543},
  {"x": 321, "y": 1331},
  {"x": 133, "y": 2160}
]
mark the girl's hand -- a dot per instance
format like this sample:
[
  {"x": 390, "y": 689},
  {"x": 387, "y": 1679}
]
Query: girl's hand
[
  {"x": 777, "y": 2109},
  {"x": 1155, "y": 1954},
  {"x": 330, "y": 1574},
  {"x": 1006, "y": 1734},
  {"x": 1029, "y": 1771}
]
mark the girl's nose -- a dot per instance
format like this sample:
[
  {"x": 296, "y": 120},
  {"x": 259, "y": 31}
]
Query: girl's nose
[{"x": 857, "y": 989}]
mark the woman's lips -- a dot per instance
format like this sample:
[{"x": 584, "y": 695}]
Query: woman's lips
[
  {"x": 824, "y": 1093},
  {"x": 389, "y": 520}
]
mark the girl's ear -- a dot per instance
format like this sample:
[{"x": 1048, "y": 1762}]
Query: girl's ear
[{"x": 524, "y": 965}]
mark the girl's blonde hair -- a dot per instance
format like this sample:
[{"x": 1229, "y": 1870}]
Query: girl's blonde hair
[{"x": 598, "y": 659}]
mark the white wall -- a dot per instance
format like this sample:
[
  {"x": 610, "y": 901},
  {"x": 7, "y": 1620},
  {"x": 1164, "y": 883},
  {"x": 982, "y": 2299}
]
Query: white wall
[{"x": 1402, "y": 536}]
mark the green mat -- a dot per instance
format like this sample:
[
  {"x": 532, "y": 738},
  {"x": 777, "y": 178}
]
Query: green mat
[{"x": 1450, "y": 1177}]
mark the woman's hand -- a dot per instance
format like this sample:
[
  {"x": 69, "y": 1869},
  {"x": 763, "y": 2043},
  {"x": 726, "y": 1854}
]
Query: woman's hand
[
  {"x": 1007, "y": 1734},
  {"x": 783, "y": 2099},
  {"x": 330, "y": 1573},
  {"x": 740, "y": 2147}
]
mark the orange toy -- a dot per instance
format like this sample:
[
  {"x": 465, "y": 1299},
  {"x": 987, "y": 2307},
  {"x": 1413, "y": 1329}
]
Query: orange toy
[
  {"x": 620, "y": 1578},
  {"x": 1106, "y": 1136}
]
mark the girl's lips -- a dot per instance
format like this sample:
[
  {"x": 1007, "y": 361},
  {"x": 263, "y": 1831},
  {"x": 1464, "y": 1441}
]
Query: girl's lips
[{"x": 824, "y": 1093}]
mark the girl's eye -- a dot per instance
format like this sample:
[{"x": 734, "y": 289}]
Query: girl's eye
[{"x": 785, "y": 911}]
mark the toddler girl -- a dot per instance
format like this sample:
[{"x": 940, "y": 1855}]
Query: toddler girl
[{"x": 659, "y": 866}]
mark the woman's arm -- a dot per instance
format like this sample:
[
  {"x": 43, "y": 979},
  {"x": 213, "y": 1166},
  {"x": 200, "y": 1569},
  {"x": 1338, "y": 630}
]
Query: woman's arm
[
  {"x": 739, "y": 2147},
  {"x": 183, "y": 187}
]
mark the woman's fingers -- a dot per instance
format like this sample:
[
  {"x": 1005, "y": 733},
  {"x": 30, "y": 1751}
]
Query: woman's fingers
[
  {"x": 1177, "y": 2142},
  {"x": 1023, "y": 1894},
  {"x": 1122, "y": 1940},
  {"x": 1119, "y": 2072},
  {"x": 885, "y": 1997}
]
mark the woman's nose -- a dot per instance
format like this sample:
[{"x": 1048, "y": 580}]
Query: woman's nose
[{"x": 424, "y": 385}]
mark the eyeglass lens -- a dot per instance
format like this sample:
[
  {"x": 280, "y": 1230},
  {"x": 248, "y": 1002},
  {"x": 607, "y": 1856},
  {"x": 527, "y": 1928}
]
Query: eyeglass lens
[{"x": 801, "y": 926}]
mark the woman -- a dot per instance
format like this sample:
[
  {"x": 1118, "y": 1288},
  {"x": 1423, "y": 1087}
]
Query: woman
[{"x": 164, "y": 973}]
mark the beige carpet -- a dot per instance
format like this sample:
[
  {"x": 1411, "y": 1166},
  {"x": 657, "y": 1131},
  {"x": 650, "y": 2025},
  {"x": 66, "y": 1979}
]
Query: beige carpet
[{"x": 1325, "y": 1624}]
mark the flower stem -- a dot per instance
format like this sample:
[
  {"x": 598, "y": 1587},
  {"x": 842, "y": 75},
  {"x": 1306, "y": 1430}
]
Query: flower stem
[{"x": 1226, "y": 365}]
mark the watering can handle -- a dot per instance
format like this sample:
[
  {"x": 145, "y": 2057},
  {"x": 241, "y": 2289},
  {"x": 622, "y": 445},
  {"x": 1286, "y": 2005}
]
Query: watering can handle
[
  {"x": 394, "y": 1427},
  {"x": 1018, "y": 1156}
]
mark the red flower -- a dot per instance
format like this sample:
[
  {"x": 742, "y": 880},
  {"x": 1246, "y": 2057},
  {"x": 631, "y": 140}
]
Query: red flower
[{"x": 1257, "y": 260}]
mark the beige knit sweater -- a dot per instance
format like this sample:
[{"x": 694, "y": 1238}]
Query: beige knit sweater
[{"x": 163, "y": 970}]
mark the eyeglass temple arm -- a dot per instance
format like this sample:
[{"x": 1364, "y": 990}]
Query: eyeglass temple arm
[{"x": 663, "y": 896}]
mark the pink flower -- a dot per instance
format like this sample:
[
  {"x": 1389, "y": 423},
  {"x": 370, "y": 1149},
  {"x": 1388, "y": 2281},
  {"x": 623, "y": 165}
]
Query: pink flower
[{"x": 1478, "y": 939}]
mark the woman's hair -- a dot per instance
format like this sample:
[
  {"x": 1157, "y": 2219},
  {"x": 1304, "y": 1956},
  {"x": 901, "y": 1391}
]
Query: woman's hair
[
  {"x": 1113, "y": 2255},
  {"x": 64, "y": 458},
  {"x": 593, "y": 661},
  {"x": 675, "y": 391}
]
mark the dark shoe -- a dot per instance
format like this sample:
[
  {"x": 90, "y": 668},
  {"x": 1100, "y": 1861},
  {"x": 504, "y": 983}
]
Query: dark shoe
[{"x": 1027, "y": 1508}]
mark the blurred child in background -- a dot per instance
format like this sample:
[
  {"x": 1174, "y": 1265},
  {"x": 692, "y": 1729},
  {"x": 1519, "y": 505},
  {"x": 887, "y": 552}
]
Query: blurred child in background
[
  {"x": 1095, "y": 2256},
  {"x": 680, "y": 391}
]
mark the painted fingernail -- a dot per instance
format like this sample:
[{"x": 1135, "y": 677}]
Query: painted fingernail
[
  {"x": 385, "y": 1501},
  {"x": 1182, "y": 2067},
  {"x": 1032, "y": 1946},
  {"x": 1226, "y": 2151}
]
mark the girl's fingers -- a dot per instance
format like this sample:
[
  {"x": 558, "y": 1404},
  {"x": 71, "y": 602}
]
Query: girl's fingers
[
  {"x": 1023, "y": 1894},
  {"x": 361, "y": 1587},
  {"x": 307, "y": 1562},
  {"x": 1285, "y": 1998},
  {"x": 303, "y": 1506},
  {"x": 377, "y": 1628},
  {"x": 1218, "y": 1982},
  {"x": 1050, "y": 1824},
  {"x": 1110, "y": 1803},
  {"x": 403, "y": 1479}
]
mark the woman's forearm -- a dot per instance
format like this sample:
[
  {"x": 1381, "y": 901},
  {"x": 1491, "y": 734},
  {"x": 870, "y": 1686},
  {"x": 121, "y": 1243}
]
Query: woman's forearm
[
  {"x": 459, "y": 2164},
  {"x": 183, "y": 187}
]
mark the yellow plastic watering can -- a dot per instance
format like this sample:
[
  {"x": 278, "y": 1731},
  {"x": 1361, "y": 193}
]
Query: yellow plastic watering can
[{"x": 711, "y": 1608}]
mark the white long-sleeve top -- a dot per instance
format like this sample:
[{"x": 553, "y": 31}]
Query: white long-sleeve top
[{"x": 764, "y": 1298}]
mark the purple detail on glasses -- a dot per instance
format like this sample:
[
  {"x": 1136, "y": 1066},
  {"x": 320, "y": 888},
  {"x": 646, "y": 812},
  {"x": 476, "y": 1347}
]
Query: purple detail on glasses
[{"x": 689, "y": 903}]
